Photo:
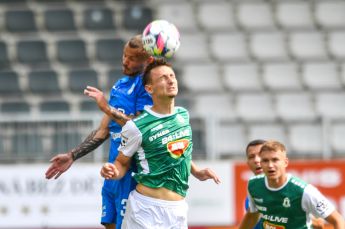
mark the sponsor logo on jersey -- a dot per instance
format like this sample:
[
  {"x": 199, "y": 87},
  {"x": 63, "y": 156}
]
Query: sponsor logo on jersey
[
  {"x": 261, "y": 208},
  {"x": 286, "y": 202},
  {"x": 273, "y": 218},
  {"x": 175, "y": 135},
  {"x": 321, "y": 206},
  {"x": 268, "y": 225},
  {"x": 259, "y": 200},
  {"x": 159, "y": 134},
  {"x": 177, "y": 148},
  {"x": 156, "y": 128},
  {"x": 115, "y": 136}
]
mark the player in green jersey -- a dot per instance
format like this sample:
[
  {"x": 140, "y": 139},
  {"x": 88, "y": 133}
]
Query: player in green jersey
[
  {"x": 284, "y": 201},
  {"x": 159, "y": 141}
]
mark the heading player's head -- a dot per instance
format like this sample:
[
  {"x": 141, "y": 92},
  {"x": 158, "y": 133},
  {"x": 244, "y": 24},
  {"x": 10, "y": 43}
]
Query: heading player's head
[
  {"x": 160, "y": 80},
  {"x": 134, "y": 58},
  {"x": 274, "y": 160},
  {"x": 253, "y": 158}
]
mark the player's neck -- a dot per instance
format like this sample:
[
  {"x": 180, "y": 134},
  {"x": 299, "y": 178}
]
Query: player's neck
[
  {"x": 164, "y": 106},
  {"x": 278, "y": 182}
]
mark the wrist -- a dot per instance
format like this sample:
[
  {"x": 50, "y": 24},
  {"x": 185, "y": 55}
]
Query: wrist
[{"x": 71, "y": 155}]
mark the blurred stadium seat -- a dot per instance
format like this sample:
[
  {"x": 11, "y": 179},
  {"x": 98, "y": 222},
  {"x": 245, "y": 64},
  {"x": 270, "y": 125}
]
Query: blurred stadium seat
[
  {"x": 98, "y": 19},
  {"x": 44, "y": 82},
  {"x": 20, "y": 21},
  {"x": 9, "y": 83},
  {"x": 59, "y": 20},
  {"x": 78, "y": 79}
]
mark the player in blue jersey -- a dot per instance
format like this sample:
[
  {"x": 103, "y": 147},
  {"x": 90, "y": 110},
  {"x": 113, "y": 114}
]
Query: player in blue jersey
[{"x": 127, "y": 99}]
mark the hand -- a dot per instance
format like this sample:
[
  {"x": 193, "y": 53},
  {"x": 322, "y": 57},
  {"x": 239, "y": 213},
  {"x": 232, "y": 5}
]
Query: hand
[
  {"x": 109, "y": 171},
  {"x": 60, "y": 163},
  {"x": 205, "y": 174},
  {"x": 98, "y": 96},
  {"x": 318, "y": 223}
]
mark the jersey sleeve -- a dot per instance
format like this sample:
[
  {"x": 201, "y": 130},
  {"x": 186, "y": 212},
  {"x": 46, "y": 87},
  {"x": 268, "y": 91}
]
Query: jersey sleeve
[
  {"x": 130, "y": 139},
  {"x": 314, "y": 202}
]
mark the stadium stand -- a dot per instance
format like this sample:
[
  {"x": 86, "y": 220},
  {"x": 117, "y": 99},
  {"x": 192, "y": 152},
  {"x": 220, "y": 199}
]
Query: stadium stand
[{"x": 254, "y": 69}]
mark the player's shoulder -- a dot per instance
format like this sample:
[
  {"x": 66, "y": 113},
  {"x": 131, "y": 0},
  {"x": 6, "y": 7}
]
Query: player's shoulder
[
  {"x": 257, "y": 177},
  {"x": 298, "y": 182}
]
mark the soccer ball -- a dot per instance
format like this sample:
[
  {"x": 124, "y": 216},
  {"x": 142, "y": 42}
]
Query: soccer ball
[{"x": 161, "y": 39}]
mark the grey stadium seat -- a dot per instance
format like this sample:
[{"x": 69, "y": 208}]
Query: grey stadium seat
[
  {"x": 98, "y": 19},
  {"x": 15, "y": 107},
  {"x": 54, "y": 106},
  {"x": 113, "y": 75},
  {"x": 136, "y": 17},
  {"x": 79, "y": 79},
  {"x": 32, "y": 52},
  {"x": 88, "y": 106},
  {"x": 44, "y": 82},
  {"x": 59, "y": 20},
  {"x": 4, "y": 60},
  {"x": 9, "y": 83},
  {"x": 109, "y": 50},
  {"x": 20, "y": 21},
  {"x": 64, "y": 141},
  {"x": 72, "y": 52}
]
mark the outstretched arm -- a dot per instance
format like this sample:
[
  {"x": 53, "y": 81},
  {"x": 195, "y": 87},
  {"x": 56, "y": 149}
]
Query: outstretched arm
[
  {"x": 204, "y": 174},
  {"x": 336, "y": 220},
  {"x": 103, "y": 105},
  {"x": 62, "y": 162}
]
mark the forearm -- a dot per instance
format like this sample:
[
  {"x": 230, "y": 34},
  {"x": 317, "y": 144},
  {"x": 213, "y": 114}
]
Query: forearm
[
  {"x": 194, "y": 169},
  {"x": 122, "y": 169},
  {"x": 89, "y": 144}
]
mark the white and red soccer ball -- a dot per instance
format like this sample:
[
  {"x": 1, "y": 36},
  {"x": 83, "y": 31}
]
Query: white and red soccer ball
[{"x": 161, "y": 39}]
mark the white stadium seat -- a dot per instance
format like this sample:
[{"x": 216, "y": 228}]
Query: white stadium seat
[
  {"x": 336, "y": 44},
  {"x": 242, "y": 77},
  {"x": 330, "y": 14},
  {"x": 307, "y": 45},
  {"x": 294, "y": 15},
  {"x": 268, "y": 46},
  {"x": 201, "y": 78},
  {"x": 254, "y": 15},
  {"x": 181, "y": 14},
  {"x": 255, "y": 107},
  {"x": 331, "y": 104},
  {"x": 214, "y": 105},
  {"x": 215, "y": 15},
  {"x": 231, "y": 140},
  {"x": 321, "y": 75},
  {"x": 267, "y": 131},
  {"x": 295, "y": 106},
  {"x": 337, "y": 136},
  {"x": 229, "y": 46},
  {"x": 193, "y": 48},
  {"x": 306, "y": 139},
  {"x": 282, "y": 76}
]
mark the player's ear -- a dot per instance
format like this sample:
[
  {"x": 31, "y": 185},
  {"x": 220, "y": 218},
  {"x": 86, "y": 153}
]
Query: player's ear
[{"x": 148, "y": 88}]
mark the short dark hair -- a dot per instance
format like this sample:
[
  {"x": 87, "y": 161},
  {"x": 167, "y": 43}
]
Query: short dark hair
[
  {"x": 154, "y": 64},
  {"x": 255, "y": 142}
]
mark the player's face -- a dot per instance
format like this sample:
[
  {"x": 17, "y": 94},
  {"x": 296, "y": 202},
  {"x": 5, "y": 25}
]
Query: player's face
[
  {"x": 133, "y": 62},
  {"x": 163, "y": 82},
  {"x": 274, "y": 165},
  {"x": 253, "y": 159}
]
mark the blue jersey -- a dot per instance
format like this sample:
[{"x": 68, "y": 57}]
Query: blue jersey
[
  {"x": 129, "y": 96},
  {"x": 258, "y": 225}
]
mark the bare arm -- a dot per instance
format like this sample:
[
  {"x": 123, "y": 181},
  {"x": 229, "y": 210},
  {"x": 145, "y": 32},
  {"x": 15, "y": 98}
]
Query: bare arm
[
  {"x": 250, "y": 220},
  {"x": 204, "y": 174},
  {"x": 62, "y": 162},
  {"x": 336, "y": 220},
  {"x": 117, "y": 169},
  {"x": 103, "y": 105}
]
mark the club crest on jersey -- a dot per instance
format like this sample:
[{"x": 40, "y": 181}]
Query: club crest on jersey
[
  {"x": 286, "y": 202},
  {"x": 268, "y": 225},
  {"x": 177, "y": 148}
]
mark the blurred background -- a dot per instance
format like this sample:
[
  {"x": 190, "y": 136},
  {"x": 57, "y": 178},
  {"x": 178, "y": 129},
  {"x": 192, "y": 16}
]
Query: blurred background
[{"x": 247, "y": 69}]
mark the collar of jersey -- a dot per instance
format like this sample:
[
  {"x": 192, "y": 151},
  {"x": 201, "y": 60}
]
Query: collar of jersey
[{"x": 149, "y": 110}]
